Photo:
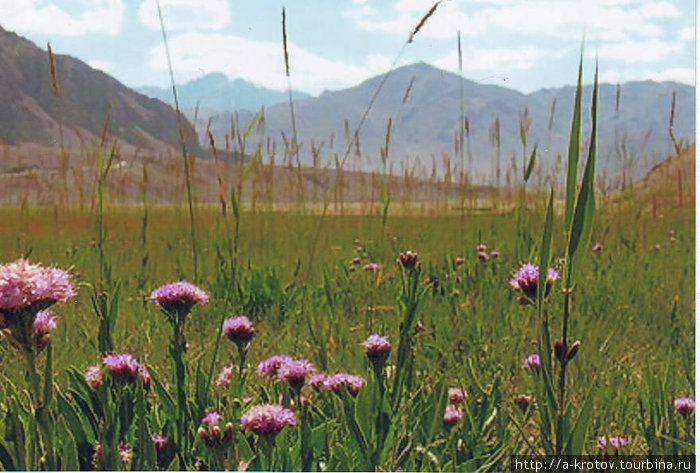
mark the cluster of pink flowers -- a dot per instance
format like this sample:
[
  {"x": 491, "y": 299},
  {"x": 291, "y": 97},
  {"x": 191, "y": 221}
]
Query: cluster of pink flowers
[
  {"x": 684, "y": 406},
  {"x": 224, "y": 379},
  {"x": 377, "y": 348},
  {"x": 268, "y": 368},
  {"x": 210, "y": 432},
  {"x": 25, "y": 286},
  {"x": 612, "y": 443},
  {"x": 239, "y": 330},
  {"x": 334, "y": 383},
  {"x": 286, "y": 369},
  {"x": 122, "y": 367},
  {"x": 267, "y": 420},
  {"x": 482, "y": 252},
  {"x": 179, "y": 296},
  {"x": 371, "y": 267},
  {"x": 44, "y": 323},
  {"x": 526, "y": 280}
]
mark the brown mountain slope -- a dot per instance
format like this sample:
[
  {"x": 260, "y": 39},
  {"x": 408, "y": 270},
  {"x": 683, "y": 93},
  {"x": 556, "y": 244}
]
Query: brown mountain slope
[{"x": 31, "y": 113}]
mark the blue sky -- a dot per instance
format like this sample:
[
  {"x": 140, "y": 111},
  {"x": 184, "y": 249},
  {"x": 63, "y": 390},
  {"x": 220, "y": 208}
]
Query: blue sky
[{"x": 522, "y": 44}]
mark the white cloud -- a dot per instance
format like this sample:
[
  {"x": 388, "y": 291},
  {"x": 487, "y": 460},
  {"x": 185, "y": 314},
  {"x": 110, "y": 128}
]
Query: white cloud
[
  {"x": 687, "y": 34},
  {"x": 37, "y": 16},
  {"x": 648, "y": 51},
  {"x": 188, "y": 15},
  {"x": 262, "y": 63},
  {"x": 684, "y": 75},
  {"x": 610, "y": 20},
  {"x": 496, "y": 60}
]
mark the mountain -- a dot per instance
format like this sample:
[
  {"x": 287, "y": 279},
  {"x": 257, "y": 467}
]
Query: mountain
[
  {"x": 423, "y": 104},
  {"x": 87, "y": 97},
  {"x": 215, "y": 93}
]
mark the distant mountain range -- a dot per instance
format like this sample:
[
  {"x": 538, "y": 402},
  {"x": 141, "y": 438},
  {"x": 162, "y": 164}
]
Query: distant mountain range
[
  {"x": 30, "y": 111},
  {"x": 423, "y": 104},
  {"x": 215, "y": 94}
]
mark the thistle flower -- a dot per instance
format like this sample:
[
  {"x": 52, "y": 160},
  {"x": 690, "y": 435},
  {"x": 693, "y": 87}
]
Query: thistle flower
[
  {"x": 481, "y": 248},
  {"x": 495, "y": 254},
  {"x": 126, "y": 454},
  {"x": 267, "y": 420},
  {"x": 294, "y": 372},
  {"x": 93, "y": 376},
  {"x": 526, "y": 279},
  {"x": 684, "y": 406},
  {"x": 456, "y": 395},
  {"x": 97, "y": 452},
  {"x": 597, "y": 248},
  {"x": 123, "y": 367},
  {"x": 318, "y": 381},
  {"x": 377, "y": 349},
  {"x": 483, "y": 256},
  {"x": 459, "y": 261},
  {"x": 239, "y": 330},
  {"x": 523, "y": 401},
  {"x": 25, "y": 286},
  {"x": 160, "y": 442},
  {"x": 211, "y": 418},
  {"x": 453, "y": 416},
  {"x": 224, "y": 379},
  {"x": 355, "y": 261},
  {"x": 44, "y": 323},
  {"x": 179, "y": 297},
  {"x": 532, "y": 362},
  {"x": 612, "y": 443},
  {"x": 353, "y": 384},
  {"x": 371, "y": 267},
  {"x": 408, "y": 260},
  {"x": 268, "y": 368}
]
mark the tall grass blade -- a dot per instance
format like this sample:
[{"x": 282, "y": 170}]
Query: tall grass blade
[{"x": 574, "y": 149}]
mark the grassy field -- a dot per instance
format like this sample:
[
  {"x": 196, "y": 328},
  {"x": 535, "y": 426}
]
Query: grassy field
[{"x": 294, "y": 277}]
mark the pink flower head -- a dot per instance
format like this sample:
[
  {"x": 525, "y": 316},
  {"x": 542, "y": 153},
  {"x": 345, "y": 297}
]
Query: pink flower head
[
  {"x": 44, "y": 324},
  {"x": 597, "y": 248},
  {"x": 24, "y": 285},
  {"x": 456, "y": 395},
  {"x": 93, "y": 376},
  {"x": 224, "y": 379},
  {"x": 179, "y": 296},
  {"x": 123, "y": 367},
  {"x": 211, "y": 418},
  {"x": 294, "y": 372},
  {"x": 353, "y": 384},
  {"x": 459, "y": 261},
  {"x": 613, "y": 443},
  {"x": 453, "y": 416},
  {"x": 239, "y": 330},
  {"x": 481, "y": 248},
  {"x": 126, "y": 453},
  {"x": 684, "y": 406},
  {"x": 377, "y": 348},
  {"x": 160, "y": 442},
  {"x": 532, "y": 362},
  {"x": 495, "y": 254},
  {"x": 318, "y": 381},
  {"x": 267, "y": 420},
  {"x": 371, "y": 267},
  {"x": 523, "y": 401},
  {"x": 268, "y": 368},
  {"x": 483, "y": 256},
  {"x": 526, "y": 279}
]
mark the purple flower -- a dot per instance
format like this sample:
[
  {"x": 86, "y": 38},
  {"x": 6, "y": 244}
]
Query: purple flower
[
  {"x": 377, "y": 348},
  {"x": 453, "y": 416},
  {"x": 481, "y": 248},
  {"x": 224, "y": 379},
  {"x": 318, "y": 381},
  {"x": 532, "y": 362},
  {"x": 93, "y": 376},
  {"x": 523, "y": 401},
  {"x": 456, "y": 395},
  {"x": 268, "y": 368},
  {"x": 684, "y": 406},
  {"x": 123, "y": 367},
  {"x": 294, "y": 372},
  {"x": 353, "y": 384},
  {"x": 614, "y": 443},
  {"x": 179, "y": 296},
  {"x": 483, "y": 256},
  {"x": 371, "y": 267},
  {"x": 408, "y": 260},
  {"x": 495, "y": 254},
  {"x": 526, "y": 279},
  {"x": 267, "y": 420},
  {"x": 211, "y": 418},
  {"x": 239, "y": 330},
  {"x": 126, "y": 453},
  {"x": 160, "y": 442},
  {"x": 44, "y": 324},
  {"x": 31, "y": 286}
]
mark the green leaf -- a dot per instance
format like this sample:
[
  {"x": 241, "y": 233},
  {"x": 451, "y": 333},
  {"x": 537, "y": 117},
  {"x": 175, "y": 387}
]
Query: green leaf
[
  {"x": 72, "y": 419},
  {"x": 6, "y": 460},
  {"x": 166, "y": 399},
  {"x": 69, "y": 454},
  {"x": 530, "y": 164},
  {"x": 48, "y": 376},
  {"x": 545, "y": 249},
  {"x": 574, "y": 149},
  {"x": 582, "y": 224},
  {"x": 577, "y": 439}
]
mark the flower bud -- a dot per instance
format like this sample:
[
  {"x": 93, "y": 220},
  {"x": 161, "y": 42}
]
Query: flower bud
[
  {"x": 573, "y": 350},
  {"x": 408, "y": 260},
  {"x": 559, "y": 350}
]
